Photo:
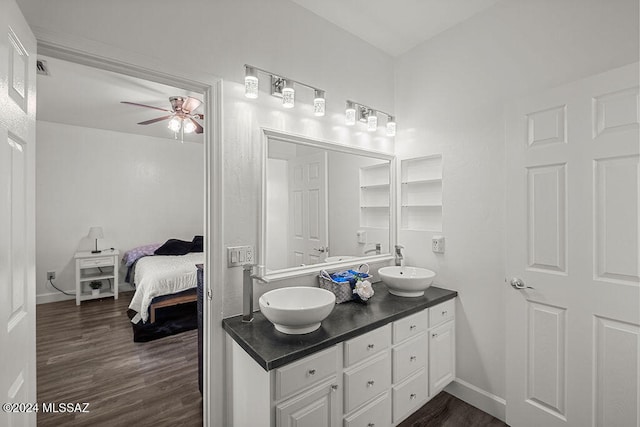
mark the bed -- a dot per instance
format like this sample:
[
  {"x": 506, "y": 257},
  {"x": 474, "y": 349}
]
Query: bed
[
  {"x": 163, "y": 275},
  {"x": 165, "y": 281}
]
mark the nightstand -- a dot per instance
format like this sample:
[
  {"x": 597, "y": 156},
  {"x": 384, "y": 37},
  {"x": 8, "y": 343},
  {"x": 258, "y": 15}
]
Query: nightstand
[{"x": 101, "y": 267}]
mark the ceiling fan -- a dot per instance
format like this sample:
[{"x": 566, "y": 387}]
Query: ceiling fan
[{"x": 181, "y": 115}]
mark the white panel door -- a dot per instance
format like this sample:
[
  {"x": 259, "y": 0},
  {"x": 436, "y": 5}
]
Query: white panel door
[
  {"x": 17, "y": 217},
  {"x": 308, "y": 209},
  {"x": 573, "y": 195}
]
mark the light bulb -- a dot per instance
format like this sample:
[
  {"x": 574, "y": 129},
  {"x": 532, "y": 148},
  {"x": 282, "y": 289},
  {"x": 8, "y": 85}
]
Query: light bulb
[
  {"x": 250, "y": 83},
  {"x": 288, "y": 95},
  {"x": 318, "y": 103},
  {"x": 372, "y": 121},
  {"x": 188, "y": 126},
  {"x": 391, "y": 126},
  {"x": 350, "y": 114},
  {"x": 174, "y": 124}
]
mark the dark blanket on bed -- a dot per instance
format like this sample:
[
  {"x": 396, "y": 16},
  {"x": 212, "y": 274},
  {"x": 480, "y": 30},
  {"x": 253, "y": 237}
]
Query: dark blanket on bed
[
  {"x": 180, "y": 247},
  {"x": 169, "y": 320}
]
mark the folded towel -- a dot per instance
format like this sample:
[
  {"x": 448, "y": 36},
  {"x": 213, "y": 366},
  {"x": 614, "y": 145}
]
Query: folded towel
[{"x": 347, "y": 276}]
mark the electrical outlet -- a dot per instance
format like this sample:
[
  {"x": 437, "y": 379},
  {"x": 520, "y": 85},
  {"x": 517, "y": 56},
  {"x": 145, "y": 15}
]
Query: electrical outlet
[
  {"x": 437, "y": 244},
  {"x": 51, "y": 275}
]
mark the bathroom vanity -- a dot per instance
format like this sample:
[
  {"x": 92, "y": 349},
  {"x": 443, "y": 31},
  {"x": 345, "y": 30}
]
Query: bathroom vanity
[{"x": 368, "y": 365}]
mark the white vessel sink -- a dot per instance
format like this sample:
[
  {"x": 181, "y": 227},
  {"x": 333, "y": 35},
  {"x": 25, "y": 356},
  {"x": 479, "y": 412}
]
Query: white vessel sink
[
  {"x": 406, "y": 281},
  {"x": 297, "y": 310}
]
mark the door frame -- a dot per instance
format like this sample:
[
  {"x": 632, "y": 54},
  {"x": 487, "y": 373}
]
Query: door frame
[{"x": 60, "y": 47}]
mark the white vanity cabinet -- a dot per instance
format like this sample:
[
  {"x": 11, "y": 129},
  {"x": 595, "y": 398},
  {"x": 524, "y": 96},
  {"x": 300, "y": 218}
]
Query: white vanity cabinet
[
  {"x": 303, "y": 393},
  {"x": 442, "y": 346},
  {"x": 376, "y": 379}
]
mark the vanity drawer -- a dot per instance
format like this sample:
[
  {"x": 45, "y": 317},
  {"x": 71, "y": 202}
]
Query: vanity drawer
[
  {"x": 96, "y": 262},
  {"x": 366, "y": 345},
  {"x": 367, "y": 381},
  {"x": 305, "y": 372},
  {"x": 442, "y": 312},
  {"x": 375, "y": 414},
  {"x": 409, "y": 357},
  {"x": 409, "y": 395},
  {"x": 410, "y": 326}
]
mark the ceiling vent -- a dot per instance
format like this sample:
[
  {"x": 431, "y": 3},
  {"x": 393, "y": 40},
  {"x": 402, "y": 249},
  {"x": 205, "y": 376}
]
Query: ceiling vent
[{"x": 43, "y": 69}]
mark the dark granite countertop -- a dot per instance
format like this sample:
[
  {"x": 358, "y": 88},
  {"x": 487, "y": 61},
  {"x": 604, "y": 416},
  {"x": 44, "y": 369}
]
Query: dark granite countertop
[{"x": 272, "y": 349}]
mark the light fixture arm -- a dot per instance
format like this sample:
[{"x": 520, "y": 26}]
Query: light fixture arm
[
  {"x": 365, "y": 108},
  {"x": 281, "y": 77}
]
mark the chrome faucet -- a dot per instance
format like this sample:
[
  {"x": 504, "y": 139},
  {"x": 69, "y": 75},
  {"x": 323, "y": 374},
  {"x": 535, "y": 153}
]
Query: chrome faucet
[
  {"x": 399, "y": 256},
  {"x": 247, "y": 293},
  {"x": 377, "y": 250}
]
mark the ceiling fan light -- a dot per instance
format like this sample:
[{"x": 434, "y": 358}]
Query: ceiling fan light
[
  {"x": 188, "y": 126},
  {"x": 250, "y": 83},
  {"x": 174, "y": 124}
]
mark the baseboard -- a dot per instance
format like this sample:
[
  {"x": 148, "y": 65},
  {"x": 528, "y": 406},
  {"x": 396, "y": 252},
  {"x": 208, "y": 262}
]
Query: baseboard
[
  {"x": 59, "y": 296},
  {"x": 54, "y": 297},
  {"x": 481, "y": 399}
]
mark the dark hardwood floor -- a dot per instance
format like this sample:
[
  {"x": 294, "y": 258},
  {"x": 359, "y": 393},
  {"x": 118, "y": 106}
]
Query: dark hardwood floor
[
  {"x": 86, "y": 354},
  {"x": 445, "y": 410}
]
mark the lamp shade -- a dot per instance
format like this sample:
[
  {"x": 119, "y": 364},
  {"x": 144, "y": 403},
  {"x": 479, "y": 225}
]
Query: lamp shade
[{"x": 95, "y": 233}]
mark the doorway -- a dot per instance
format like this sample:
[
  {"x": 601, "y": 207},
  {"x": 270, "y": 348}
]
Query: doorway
[{"x": 142, "y": 184}]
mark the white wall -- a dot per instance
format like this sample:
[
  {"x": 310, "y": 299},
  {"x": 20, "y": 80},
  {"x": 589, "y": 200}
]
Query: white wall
[
  {"x": 449, "y": 99},
  {"x": 139, "y": 189}
]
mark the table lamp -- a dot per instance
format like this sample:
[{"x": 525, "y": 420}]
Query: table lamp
[{"x": 96, "y": 233}]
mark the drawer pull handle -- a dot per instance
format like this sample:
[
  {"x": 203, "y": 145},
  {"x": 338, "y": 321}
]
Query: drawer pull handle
[
  {"x": 370, "y": 383},
  {"x": 412, "y": 358},
  {"x": 434, "y": 335},
  {"x": 312, "y": 371},
  {"x": 412, "y": 396},
  {"x": 412, "y": 327},
  {"x": 370, "y": 346},
  {"x": 334, "y": 387},
  {"x": 371, "y": 425},
  {"x": 444, "y": 313}
]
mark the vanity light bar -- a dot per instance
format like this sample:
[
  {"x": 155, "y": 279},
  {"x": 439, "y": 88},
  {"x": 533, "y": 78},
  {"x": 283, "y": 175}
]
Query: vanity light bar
[
  {"x": 282, "y": 87},
  {"x": 355, "y": 111}
]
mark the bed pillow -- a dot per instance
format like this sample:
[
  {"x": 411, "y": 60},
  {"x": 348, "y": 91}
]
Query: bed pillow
[
  {"x": 134, "y": 254},
  {"x": 197, "y": 244},
  {"x": 174, "y": 247}
]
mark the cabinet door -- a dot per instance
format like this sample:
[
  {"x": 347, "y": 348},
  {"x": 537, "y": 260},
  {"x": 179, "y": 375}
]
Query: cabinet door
[
  {"x": 442, "y": 357},
  {"x": 314, "y": 408}
]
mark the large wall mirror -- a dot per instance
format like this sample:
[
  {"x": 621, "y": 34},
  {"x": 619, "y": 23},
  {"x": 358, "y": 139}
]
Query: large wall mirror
[{"x": 323, "y": 203}]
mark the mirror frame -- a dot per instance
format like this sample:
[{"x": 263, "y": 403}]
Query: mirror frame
[{"x": 275, "y": 135}]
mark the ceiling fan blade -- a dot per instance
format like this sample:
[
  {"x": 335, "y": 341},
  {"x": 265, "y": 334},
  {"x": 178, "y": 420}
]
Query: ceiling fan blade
[
  {"x": 159, "y": 119},
  {"x": 199, "y": 128},
  {"x": 191, "y": 104},
  {"x": 147, "y": 106}
]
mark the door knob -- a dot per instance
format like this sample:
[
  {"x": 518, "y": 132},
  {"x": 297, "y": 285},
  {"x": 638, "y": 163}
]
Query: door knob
[
  {"x": 517, "y": 283},
  {"x": 322, "y": 249}
]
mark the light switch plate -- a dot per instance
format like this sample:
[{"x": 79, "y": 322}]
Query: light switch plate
[{"x": 237, "y": 256}]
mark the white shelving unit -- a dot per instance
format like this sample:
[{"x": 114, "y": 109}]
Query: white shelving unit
[
  {"x": 374, "y": 196},
  {"x": 103, "y": 267},
  {"x": 421, "y": 193}
]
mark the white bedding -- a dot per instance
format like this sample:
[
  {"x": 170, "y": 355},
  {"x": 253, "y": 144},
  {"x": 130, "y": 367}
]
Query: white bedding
[{"x": 162, "y": 275}]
